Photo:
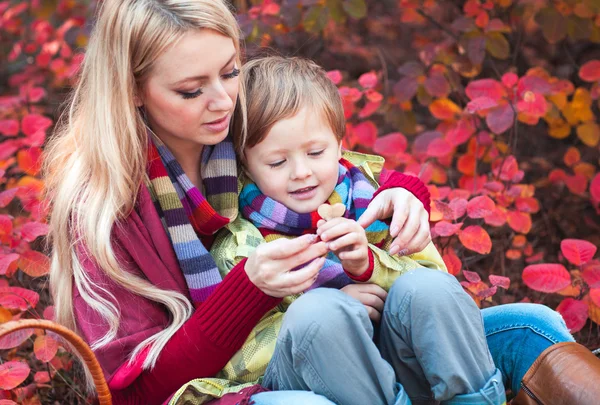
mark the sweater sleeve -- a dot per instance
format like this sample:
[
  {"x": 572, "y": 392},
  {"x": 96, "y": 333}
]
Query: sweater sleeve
[
  {"x": 393, "y": 179},
  {"x": 200, "y": 348}
]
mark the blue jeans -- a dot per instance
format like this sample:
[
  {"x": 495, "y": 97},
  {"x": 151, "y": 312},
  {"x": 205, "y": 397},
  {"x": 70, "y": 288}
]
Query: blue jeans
[{"x": 432, "y": 340}]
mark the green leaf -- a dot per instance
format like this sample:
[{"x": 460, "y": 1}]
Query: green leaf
[
  {"x": 316, "y": 19},
  {"x": 497, "y": 45},
  {"x": 554, "y": 24},
  {"x": 355, "y": 8},
  {"x": 336, "y": 11},
  {"x": 578, "y": 28}
]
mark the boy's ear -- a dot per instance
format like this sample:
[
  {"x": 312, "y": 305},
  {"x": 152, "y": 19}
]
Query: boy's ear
[
  {"x": 340, "y": 150},
  {"x": 247, "y": 173}
]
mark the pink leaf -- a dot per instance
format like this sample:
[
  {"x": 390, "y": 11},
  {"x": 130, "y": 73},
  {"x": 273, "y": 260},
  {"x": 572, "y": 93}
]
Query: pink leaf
[
  {"x": 9, "y": 127},
  {"x": 31, "y": 230},
  {"x": 500, "y": 281},
  {"x": 471, "y": 276},
  {"x": 368, "y": 80},
  {"x": 335, "y": 76},
  {"x": 390, "y": 145},
  {"x": 485, "y": 88},
  {"x": 546, "y": 277},
  {"x": 500, "y": 118},
  {"x": 480, "y": 103},
  {"x": 13, "y": 373},
  {"x": 574, "y": 312},
  {"x": 445, "y": 229},
  {"x": 480, "y": 207},
  {"x": 577, "y": 251}
]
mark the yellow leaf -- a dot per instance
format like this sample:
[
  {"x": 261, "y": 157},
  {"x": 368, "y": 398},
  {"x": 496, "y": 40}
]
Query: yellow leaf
[
  {"x": 559, "y": 130},
  {"x": 559, "y": 100},
  {"x": 585, "y": 114},
  {"x": 589, "y": 133},
  {"x": 581, "y": 99},
  {"x": 5, "y": 315},
  {"x": 586, "y": 169},
  {"x": 570, "y": 114}
]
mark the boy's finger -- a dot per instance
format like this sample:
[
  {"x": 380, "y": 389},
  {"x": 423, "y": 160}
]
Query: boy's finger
[{"x": 348, "y": 239}]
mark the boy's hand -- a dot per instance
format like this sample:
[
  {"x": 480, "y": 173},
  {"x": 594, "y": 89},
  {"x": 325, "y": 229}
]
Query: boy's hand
[
  {"x": 348, "y": 240},
  {"x": 370, "y": 295}
]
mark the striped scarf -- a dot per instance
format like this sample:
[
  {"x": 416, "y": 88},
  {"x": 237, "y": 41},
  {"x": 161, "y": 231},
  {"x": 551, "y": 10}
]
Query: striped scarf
[
  {"x": 274, "y": 220},
  {"x": 188, "y": 215}
]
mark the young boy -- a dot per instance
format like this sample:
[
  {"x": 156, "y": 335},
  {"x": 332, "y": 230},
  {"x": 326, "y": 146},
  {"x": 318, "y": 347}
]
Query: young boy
[{"x": 293, "y": 164}]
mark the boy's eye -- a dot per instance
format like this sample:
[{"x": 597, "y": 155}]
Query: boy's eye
[
  {"x": 235, "y": 72},
  {"x": 193, "y": 94},
  {"x": 317, "y": 153},
  {"x": 277, "y": 164}
]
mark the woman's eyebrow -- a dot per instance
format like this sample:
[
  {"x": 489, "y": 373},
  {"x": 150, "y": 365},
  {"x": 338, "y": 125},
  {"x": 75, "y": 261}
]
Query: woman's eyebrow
[{"x": 198, "y": 78}]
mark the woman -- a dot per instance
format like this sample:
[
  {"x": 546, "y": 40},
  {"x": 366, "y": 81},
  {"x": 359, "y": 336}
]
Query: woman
[{"x": 144, "y": 141}]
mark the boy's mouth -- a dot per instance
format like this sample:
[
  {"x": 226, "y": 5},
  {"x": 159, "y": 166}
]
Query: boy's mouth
[{"x": 303, "y": 190}]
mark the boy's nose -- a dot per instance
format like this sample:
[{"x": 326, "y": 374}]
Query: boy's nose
[{"x": 301, "y": 170}]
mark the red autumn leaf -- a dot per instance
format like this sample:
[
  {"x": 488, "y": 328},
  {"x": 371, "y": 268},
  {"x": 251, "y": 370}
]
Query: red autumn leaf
[
  {"x": 590, "y": 71},
  {"x": 534, "y": 84},
  {"x": 476, "y": 238},
  {"x": 595, "y": 188},
  {"x": 527, "y": 204},
  {"x": 471, "y": 276},
  {"x": 500, "y": 119},
  {"x": 519, "y": 221},
  {"x": 458, "y": 206},
  {"x": 591, "y": 275},
  {"x": 366, "y": 133},
  {"x": 438, "y": 148},
  {"x": 49, "y": 313},
  {"x": 480, "y": 207},
  {"x": 476, "y": 49},
  {"x": 577, "y": 251},
  {"x": 8, "y": 148},
  {"x": 9, "y": 127},
  {"x": 488, "y": 292},
  {"x": 391, "y": 144},
  {"x": 368, "y": 80},
  {"x": 572, "y": 156},
  {"x": 595, "y": 296},
  {"x": 14, "y": 339},
  {"x": 41, "y": 377},
  {"x": 509, "y": 79},
  {"x": 437, "y": 85},
  {"x": 45, "y": 347},
  {"x": 7, "y": 402},
  {"x": 445, "y": 229},
  {"x": 35, "y": 264},
  {"x": 485, "y": 88},
  {"x": 29, "y": 160},
  {"x": 31, "y": 230},
  {"x": 480, "y": 103},
  {"x": 444, "y": 109},
  {"x": 32, "y": 124},
  {"x": 500, "y": 281},
  {"x": 28, "y": 297},
  {"x": 6, "y": 261},
  {"x": 460, "y": 132},
  {"x": 7, "y": 196},
  {"x": 506, "y": 169},
  {"x": 13, "y": 373},
  {"x": 335, "y": 76},
  {"x": 577, "y": 184},
  {"x": 532, "y": 104},
  {"x": 6, "y": 225},
  {"x": 574, "y": 312},
  {"x": 546, "y": 277},
  {"x": 452, "y": 262}
]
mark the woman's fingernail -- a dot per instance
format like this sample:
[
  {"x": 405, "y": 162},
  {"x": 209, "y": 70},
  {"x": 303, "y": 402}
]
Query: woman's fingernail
[
  {"x": 324, "y": 236},
  {"x": 394, "y": 249},
  {"x": 311, "y": 238},
  {"x": 403, "y": 252}
]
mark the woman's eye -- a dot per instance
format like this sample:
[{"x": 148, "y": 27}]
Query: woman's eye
[
  {"x": 317, "y": 153},
  {"x": 277, "y": 164},
  {"x": 187, "y": 95},
  {"x": 235, "y": 72}
]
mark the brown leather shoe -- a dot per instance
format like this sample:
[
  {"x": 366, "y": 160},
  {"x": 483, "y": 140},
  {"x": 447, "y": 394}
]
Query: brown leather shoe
[{"x": 564, "y": 374}]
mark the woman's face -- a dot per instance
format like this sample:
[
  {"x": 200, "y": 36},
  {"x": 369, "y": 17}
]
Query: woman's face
[{"x": 190, "y": 94}]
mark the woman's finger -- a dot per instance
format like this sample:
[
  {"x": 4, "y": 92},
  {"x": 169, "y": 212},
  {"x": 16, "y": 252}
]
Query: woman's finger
[
  {"x": 281, "y": 249},
  {"x": 380, "y": 207},
  {"x": 298, "y": 281},
  {"x": 310, "y": 253},
  {"x": 408, "y": 231}
]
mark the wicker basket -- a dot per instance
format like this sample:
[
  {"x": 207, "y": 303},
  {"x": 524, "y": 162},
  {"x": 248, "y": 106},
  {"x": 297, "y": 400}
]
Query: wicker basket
[{"x": 82, "y": 348}]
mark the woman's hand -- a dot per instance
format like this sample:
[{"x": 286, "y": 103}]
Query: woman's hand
[
  {"x": 370, "y": 295},
  {"x": 348, "y": 241},
  {"x": 410, "y": 220},
  {"x": 270, "y": 266}
]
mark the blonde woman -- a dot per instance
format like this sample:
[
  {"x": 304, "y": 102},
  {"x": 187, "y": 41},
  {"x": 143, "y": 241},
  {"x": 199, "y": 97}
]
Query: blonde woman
[{"x": 140, "y": 176}]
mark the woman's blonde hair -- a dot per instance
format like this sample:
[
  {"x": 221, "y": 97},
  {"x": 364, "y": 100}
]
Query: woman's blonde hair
[
  {"x": 96, "y": 162},
  {"x": 277, "y": 88}
]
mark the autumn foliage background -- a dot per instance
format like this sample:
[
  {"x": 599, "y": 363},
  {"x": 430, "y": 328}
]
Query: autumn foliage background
[{"x": 494, "y": 104}]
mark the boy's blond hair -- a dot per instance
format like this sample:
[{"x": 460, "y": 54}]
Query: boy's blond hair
[{"x": 278, "y": 88}]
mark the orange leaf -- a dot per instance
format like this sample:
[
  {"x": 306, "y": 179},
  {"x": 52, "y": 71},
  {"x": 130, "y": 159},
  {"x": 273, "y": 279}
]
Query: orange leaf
[
  {"x": 13, "y": 373},
  {"x": 577, "y": 251},
  {"x": 476, "y": 238},
  {"x": 480, "y": 207},
  {"x": 546, "y": 277},
  {"x": 45, "y": 347},
  {"x": 29, "y": 160},
  {"x": 572, "y": 156},
  {"x": 519, "y": 221},
  {"x": 34, "y": 263},
  {"x": 444, "y": 109},
  {"x": 590, "y": 71},
  {"x": 452, "y": 262},
  {"x": 574, "y": 312},
  {"x": 595, "y": 296},
  {"x": 589, "y": 133},
  {"x": 466, "y": 164}
]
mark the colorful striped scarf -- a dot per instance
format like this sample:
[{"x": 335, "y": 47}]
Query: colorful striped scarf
[
  {"x": 188, "y": 215},
  {"x": 275, "y": 220}
]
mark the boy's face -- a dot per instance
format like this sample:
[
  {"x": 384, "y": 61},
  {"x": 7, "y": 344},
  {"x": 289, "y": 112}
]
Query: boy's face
[{"x": 297, "y": 162}]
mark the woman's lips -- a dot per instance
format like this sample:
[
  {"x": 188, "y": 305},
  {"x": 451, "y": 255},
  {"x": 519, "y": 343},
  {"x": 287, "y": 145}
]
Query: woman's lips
[
  {"x": 305, "y": 193},
  {"x": 219, "y": 125}
]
